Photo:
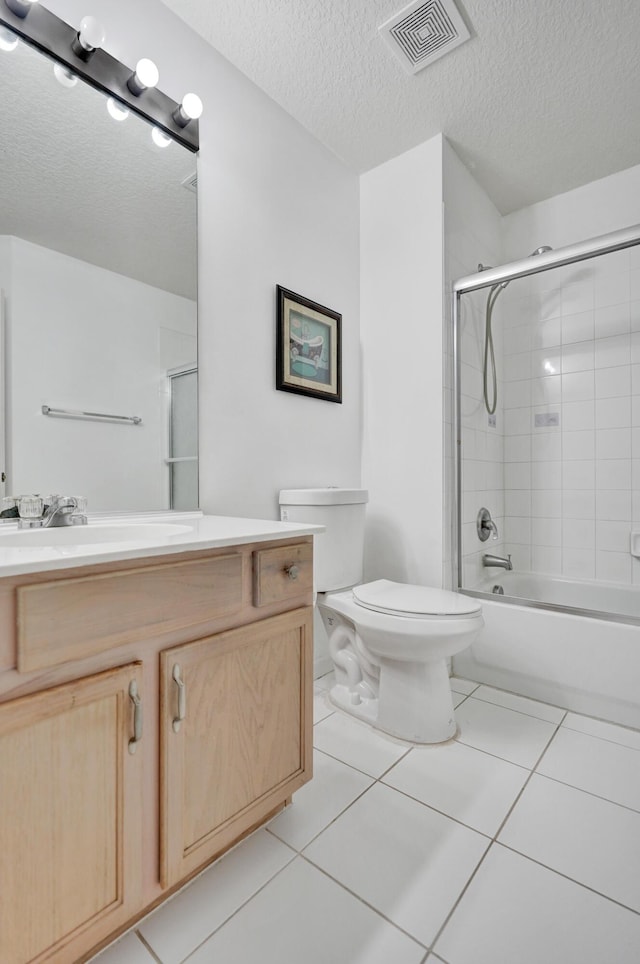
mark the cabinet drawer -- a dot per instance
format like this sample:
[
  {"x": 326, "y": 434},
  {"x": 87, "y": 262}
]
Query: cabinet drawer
[
  {"x": 283, "y": 573},
  {"x": 77, "y": 618}
]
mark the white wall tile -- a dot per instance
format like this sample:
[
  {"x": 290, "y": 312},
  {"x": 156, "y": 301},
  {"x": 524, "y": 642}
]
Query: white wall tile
[
  {"x": 613, "y": 567},
  {"x": 578, "y": 474},
  {"x": 518, "y": 529},
  {"x": 517, "y": 502},
  {"x": 548, "y": 504},
  {"x": 613, "y": 351},
  {"x": 578, "y": 563},
  {"x": 613, "y": 536},
  {"x": 578, "y": 357},
  {"x": 546, "y": 446},
  {"x": 578, "y": 503},
  {"x": 613, "y": 382},
  {"x": 579, "y": 327},
  {"x": 578, "y": 416},
  {"x": 635, "y": 379},
  {"x": 545, "y": 362},
  {"x": 612, "y": 289},
  {"x": 546, "y": 333},
  {"x": 578, "y": 445},
  {"x": 517, "y": 475},
  {"x": 578, "y": 386},
  {"x": 612, "y": 320},
  {"x": 546, "y": 475},
  {"x": 634, "y": 315},
  {"x": 518, "y": 421},
  {"x": 545, "y": 559},
  {"x": 577, "y": 297},
  {"x": 613, "y": 474},
  {"x": 517, "y": 448},
  {"x": 518, "y": 367},
  {"x": 546, "y": 532},
  {"x": 613, "y": 412},
  {"x": 613, "y": 505},
  {"x": 517, "y": 394},
  {"x": 613, "y": 443},
  {"x": 546, "y": 391},
  {"x": 578, "y": 533}
]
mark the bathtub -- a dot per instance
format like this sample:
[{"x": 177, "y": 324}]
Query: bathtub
[{"x": 573, "y": 644}]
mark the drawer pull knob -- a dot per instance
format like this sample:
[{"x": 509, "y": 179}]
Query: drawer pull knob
[
  {"x": 137, "y": 716},
  {"x": 292, "y": 571},
  {"x": 182, "y": 698}
]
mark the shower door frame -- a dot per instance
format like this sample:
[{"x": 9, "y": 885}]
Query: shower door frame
[{"x": 571, "y": 254}]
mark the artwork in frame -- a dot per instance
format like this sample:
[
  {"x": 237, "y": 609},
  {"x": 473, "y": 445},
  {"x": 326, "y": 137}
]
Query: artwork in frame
[{"x": 308, "y": 348}]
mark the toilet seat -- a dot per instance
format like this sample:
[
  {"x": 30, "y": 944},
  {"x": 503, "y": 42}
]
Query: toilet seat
[{"x": 413, "y": 602}]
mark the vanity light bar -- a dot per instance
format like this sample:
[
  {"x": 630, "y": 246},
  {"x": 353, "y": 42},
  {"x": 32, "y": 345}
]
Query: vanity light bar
[{"x": 55, "y": 38}]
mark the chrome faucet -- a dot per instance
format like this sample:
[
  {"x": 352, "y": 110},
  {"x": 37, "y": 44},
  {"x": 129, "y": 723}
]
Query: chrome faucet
[
  {"x": 499, "y": 561},
  {"x": 63, "y": 510}
]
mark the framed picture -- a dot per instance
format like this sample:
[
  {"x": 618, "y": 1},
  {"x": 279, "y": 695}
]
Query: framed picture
[{"x": 308, "y": 348}]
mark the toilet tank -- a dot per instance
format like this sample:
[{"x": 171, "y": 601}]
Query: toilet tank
[{"x": 339, "y": 549}]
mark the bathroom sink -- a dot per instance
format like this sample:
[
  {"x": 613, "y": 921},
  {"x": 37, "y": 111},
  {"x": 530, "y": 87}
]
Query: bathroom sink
[{"x": 96, "y": 534}]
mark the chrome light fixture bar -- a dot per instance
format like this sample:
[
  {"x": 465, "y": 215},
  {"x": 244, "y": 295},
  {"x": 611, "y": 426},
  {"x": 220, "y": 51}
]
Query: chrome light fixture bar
[{"x": 60, "y": 41}]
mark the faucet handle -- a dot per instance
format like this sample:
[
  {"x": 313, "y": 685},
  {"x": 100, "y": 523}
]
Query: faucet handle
[{"x": 30, "y": 506}]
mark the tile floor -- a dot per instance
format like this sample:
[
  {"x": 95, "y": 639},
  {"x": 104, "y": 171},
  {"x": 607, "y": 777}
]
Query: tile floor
[{"x": 516, "y": 843}]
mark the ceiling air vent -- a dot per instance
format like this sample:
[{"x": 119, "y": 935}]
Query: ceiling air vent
[{"x": 424, "y": 31}]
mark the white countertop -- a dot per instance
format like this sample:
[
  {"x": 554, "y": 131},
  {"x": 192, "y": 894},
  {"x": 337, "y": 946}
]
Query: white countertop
[{"x": 190, "y": 531}]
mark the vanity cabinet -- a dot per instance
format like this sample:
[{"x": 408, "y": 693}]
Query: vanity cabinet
[
  {"x": 151, "y": 714},
  {"x": 70, "y": 816},
  {"x": 232, "y": 736}
]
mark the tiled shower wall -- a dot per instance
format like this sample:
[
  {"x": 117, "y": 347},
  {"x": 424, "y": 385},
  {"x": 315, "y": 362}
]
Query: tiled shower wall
[{"x": 571, "y": 401}]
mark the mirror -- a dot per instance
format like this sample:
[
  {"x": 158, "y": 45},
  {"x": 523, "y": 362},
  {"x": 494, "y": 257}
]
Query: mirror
[{"x": 98, "y": 263}]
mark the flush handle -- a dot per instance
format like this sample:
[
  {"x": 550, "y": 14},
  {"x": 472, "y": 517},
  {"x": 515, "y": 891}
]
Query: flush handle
[
  {"x": 182, "y": 699},
  {"x": 292, "y": 571},
  {"x": 137, "y": 716}
]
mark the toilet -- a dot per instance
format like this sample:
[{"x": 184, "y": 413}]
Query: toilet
[{"x": 389, "y": 642}]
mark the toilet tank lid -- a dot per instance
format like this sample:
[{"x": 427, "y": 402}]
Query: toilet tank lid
[
  {"x": 329, "y": 495},
  {"x": 383, "y": 595}
]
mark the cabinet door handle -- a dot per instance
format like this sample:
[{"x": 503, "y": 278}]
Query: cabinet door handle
[
  {"x": 137, "y": 716},
  {"x": 292, "y": 571},
  {"x": 182, "y": 698}
]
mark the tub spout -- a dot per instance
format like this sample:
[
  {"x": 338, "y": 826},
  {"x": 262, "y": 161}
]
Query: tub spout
[{"x": 500, "y": 561}]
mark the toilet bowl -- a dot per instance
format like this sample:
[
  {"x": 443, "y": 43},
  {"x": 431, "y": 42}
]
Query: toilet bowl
[{"x": 389, "y": 642}]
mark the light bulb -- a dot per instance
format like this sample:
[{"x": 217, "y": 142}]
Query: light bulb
[
  {"x": 146, "y": 75},
  {"x": 89, "y": 38},
  {"x": 159, "y": 138},
  {"x": 64, "y": 76},
  {"x": 8, "y": 40},
  {"x": 117, "y": 110},
  {"x": 20, "y": 7},
  {"x": 91, "y": 34},
  {"x": 190, "y": 109}
]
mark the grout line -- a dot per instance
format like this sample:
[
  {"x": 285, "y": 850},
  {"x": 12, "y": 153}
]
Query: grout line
[
  {"x": 366, "y": 903},
  {"x": 532, "y": 716},
  {"x": 590, "y": 793},
  {"x": 456, "y": 903},
  {"x": 148, "y": 947},
  {"x": 573, "y": 880}
]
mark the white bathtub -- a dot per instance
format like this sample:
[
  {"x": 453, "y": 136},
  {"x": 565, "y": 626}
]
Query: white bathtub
[{"x": 587, "y": 664}]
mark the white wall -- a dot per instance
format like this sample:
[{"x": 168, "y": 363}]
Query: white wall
[
  {"x": 82, "y": 338},
  {"x": 401, "y": 304},
  {"x": 274, "y": 207},
  {"x": 473, "y": 235}
]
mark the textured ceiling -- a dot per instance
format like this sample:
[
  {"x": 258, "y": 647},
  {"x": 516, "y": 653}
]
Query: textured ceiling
[
  {"x": 75, "y": 180},
  {"x": 543, "y": 98}
]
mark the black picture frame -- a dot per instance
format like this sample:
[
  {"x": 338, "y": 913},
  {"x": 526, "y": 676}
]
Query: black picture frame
[{"x": 308, "y": 347}]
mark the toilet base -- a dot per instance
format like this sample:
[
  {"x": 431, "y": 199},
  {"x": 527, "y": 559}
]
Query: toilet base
[{"x": 414, "y": 702}]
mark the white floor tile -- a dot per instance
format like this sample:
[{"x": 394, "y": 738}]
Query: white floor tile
[
  {"x": 517, "y": 912},
  {"x": 464, "y": 686},
  {"x": 542, "y": 711},
  {"x": 598, "y": 766},
  {"x": 357, "y": 744},
  {"x": 457, "y": 698},
  {"x": 128, "y": 950},
  {"x": 302, "y": 916},
  {"x": 322, "y": 708},
  {"x": 513, "y": 736},
  {"x": 606, "y": 731},
  {"x": 403, "y": 858},
  {"x": 324, "y": 683},
  {"x": 590, "y": 840},
  {"x": 471, "y": 786},
  {"x": 185, "y": 921},
  {"x": 334, "y": 786}
]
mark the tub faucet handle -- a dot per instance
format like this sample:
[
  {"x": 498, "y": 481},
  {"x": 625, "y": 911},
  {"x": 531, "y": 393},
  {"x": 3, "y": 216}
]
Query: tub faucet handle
[{"x": 485, "y": 526}]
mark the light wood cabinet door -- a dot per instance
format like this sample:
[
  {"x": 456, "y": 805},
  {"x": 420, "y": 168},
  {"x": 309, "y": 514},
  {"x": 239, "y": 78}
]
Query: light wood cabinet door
[
  {"x": 236, "y": 731},
  {"x": 70, "y": 818}
]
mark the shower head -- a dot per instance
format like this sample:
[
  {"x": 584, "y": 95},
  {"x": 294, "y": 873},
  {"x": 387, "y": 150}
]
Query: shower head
[{"x": 541, "y": 250}]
